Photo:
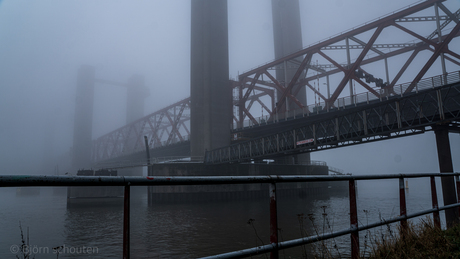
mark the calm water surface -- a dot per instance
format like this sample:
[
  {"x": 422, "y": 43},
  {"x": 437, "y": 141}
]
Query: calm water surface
[{"x": 193, "y": 230}]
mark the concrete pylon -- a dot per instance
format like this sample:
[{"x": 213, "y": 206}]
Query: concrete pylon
[
  {"x": 210, "y": 92},
  {"x": 135, "y": 104},
  {"x": 83, "y": 122},
  {"x": 287, "y": 35},
  {"x": 446, "y": 167},
  {"x": 135, "y": 98}
]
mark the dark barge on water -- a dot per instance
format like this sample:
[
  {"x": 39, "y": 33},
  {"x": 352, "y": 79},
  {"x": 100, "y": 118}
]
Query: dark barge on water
[
  {"x": 191, "y": 193},
  {"x": 95, "y": 194}
]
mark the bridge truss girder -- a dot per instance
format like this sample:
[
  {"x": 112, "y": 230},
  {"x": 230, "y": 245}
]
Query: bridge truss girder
[
  {"x": 369, "y": 46},
  {"x": 394, "y": 116},
  {"x": 164, "y": 127}
]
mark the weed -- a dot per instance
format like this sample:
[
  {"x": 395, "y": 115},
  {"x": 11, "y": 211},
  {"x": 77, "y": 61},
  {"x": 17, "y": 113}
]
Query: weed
[
  {"x": 24, "y": 248},
  {"x": 251, "y": 222},
  {"x": 423, "y": 240}
]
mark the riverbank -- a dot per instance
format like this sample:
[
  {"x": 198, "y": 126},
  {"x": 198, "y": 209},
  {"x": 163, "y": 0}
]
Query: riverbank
[{"x": 422, "y": 240}]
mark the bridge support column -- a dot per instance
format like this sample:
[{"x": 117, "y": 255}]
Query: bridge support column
[
  {"x": 210, "y": 92},
  {"x": 287, "y": 36},
  {"x": 446, "y": 167},
  {"x": 135, "y": 102},
  {"x": 83, "y": 122},
  {"x": 135, "y": 98}
]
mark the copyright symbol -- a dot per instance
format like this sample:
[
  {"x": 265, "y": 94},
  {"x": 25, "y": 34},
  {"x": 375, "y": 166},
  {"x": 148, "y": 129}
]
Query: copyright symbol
[{"x": 14, "y": 249}]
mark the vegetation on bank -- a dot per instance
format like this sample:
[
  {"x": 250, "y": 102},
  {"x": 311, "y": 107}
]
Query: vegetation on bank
[{"x": 422, "y": 240}]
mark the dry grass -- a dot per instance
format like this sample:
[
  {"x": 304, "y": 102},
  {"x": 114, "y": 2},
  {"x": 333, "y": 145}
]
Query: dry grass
[{"x": 422, "y": 240}]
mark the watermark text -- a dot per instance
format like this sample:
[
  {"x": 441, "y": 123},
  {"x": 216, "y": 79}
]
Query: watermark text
[{"x": 64, "y": 249}]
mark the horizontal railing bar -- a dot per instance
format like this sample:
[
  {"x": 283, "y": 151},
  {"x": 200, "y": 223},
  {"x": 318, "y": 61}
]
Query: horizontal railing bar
[
  {"x": 32, "y": 180},
  {"x": 307, "y": 240}
]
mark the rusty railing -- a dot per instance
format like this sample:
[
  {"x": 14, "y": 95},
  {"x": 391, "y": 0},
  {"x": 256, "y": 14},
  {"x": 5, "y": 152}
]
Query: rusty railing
[{"x": 272, "y": 180}]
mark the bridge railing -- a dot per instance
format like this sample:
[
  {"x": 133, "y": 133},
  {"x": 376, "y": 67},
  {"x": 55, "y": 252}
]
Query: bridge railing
[
  {"x": 272, "y": 181},
  {"x": 129, "y": 162},
  {"x": 357, "y": 99}
]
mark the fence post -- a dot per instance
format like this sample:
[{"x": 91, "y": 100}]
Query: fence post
[
  {"x": 353, "y": 220},
  {"x": 273, "y": 220},
  {"x": 434, "y": 201},
  {"x": 457, "y": 181},
  {"x": 126, "y": 213},
  {"x": 402, "y": 203}
]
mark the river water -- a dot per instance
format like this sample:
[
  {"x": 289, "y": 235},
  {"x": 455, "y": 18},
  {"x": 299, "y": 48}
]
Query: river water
[{"x": 194, "y": 230}]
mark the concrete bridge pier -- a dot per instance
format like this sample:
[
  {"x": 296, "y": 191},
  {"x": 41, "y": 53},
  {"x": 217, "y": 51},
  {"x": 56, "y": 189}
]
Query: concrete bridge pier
[
  {"x": 287, "y": 36},
  {"x": 446, "y": 166},
  {"x": 83, "y": 121},
  {"x": 135, "y": 102},
  {"x": 211, "y": 96}
]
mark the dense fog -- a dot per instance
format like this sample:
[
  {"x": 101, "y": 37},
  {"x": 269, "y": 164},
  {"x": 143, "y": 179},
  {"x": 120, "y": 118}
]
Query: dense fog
[{"x": 43, "y": 43}]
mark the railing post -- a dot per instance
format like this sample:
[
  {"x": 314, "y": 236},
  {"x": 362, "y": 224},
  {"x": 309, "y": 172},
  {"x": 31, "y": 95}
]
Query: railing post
[
  {"x": 457, "y": 181},
  {"x": 434, "y": 202},
  {"x": 353, "y": 220},
  {"x": 273, "y": 220},
  {"x": 126, "y": 212},
  {"x": 402, "y": 203}
]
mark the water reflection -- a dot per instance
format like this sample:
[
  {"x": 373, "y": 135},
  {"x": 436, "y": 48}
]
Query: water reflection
[
  {"x": 191, "y": 230},
  {"x": 97, "y": 226}
]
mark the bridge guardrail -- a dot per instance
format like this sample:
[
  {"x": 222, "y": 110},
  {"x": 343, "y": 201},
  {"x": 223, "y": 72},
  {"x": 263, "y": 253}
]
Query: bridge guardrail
[
  {"x": 401, "y": 115},
  {"x": 361, "y": 98},
  {"x": 120, "y": 163},
  {"x": 272, "y": 180},
  {"x": 128, "y": 163}
]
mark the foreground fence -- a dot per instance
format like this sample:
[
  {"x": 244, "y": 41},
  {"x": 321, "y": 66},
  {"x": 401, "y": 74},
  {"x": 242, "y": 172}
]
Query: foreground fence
[{"x": 272, "y": 180}]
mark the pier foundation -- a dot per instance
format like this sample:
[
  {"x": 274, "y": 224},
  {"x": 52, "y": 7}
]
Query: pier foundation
[{"x": 237, "y": 191}]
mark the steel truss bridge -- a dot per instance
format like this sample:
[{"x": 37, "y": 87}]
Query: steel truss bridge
[
  {"x": 348, "y": 77},
  {"x": 395, "y": 116}
]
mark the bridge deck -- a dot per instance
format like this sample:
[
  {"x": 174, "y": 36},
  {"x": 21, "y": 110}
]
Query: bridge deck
[{"x": 395, "y": 116}]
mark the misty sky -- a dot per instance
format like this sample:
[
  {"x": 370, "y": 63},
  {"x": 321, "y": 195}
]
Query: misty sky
[{"x": 42, "y": 44}]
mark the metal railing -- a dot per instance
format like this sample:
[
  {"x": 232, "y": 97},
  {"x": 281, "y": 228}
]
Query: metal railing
[
  {"x": 129, "y": 162},
  {"x": 354, "y": 100},
  {"x": 272, "y": 180}
]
